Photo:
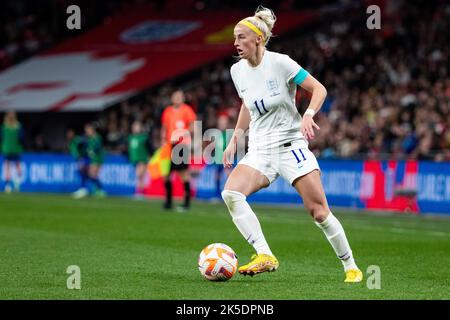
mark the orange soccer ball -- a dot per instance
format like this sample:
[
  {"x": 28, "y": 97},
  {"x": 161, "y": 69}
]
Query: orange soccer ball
[{"x": 217, "y": 262}]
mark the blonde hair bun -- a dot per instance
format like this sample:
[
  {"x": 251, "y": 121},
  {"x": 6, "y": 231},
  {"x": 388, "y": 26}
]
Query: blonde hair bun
[{"x": 267, "y": 16}]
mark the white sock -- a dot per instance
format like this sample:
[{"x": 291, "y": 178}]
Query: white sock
[
  {"x": 246, "y": 221},
  {"x": 336, "y": 236}
]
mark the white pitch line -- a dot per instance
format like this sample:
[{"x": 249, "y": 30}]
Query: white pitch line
[
  {"x": 434, "y": 233},
  {"x": 406, "y": 231}
]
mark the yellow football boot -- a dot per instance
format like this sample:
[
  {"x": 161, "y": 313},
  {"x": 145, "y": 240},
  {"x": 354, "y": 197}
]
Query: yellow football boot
[
  {"x": 260, "y": 263},
  {"x": 353, "y": 275}
]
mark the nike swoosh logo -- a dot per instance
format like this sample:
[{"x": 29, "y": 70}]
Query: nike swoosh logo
[{"x": 243, "y": 90}]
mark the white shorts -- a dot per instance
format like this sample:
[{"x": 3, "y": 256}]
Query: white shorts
[{"x": 289, "y": 162}]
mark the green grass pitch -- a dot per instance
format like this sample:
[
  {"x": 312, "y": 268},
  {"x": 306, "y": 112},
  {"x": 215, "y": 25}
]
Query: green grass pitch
[{"x": 128, "y": 249}]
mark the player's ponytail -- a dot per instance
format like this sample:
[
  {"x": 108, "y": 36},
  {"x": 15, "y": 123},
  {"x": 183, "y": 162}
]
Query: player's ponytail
[
  {"x": 264, "y": 19},
  {"x": 261, "y": 23}
]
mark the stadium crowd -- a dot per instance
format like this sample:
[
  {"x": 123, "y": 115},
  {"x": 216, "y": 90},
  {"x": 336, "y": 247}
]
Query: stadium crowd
[
  {"x": 30, "y": 27},
  {"x": 388, "y": 89}
]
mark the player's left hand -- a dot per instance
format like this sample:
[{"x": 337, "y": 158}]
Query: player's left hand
[{"x": 308, "y": 126}]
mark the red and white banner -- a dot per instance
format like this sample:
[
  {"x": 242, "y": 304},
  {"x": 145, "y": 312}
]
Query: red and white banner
[{"x": 133, "y": 51}]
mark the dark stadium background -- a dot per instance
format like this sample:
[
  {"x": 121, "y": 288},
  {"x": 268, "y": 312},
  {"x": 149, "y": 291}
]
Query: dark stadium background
[{"x": 406, "y": 62}]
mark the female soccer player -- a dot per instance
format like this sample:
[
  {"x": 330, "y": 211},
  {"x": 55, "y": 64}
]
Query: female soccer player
[
  {"x": 278, "y": 142},
  {"x": 77, "y": 147},
  {"x": 94, "y": 149},
  {"x": 139, "y": 150},
  {"x": 11, "y": 138}
]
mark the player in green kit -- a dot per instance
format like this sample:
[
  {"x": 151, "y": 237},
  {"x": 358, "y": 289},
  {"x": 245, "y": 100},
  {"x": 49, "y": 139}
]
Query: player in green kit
[
  {"x": 94, "y": 149},
  {"x": 78, "y": 149},
  {"x": 221, "y": 143},
  {"x": 139, "y": 151},
  {"x": 11, "y": 138}
]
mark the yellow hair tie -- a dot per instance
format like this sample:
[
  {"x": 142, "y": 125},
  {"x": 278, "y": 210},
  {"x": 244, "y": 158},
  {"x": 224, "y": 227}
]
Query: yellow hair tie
[{"x": 253, "y": 27}]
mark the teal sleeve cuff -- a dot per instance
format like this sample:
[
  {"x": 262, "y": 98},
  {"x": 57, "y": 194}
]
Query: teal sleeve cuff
[{"x": 301, "y": 76}]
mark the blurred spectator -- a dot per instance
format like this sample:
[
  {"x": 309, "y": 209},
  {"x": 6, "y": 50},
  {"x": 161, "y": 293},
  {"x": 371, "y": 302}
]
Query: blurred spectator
[{"x": 39, "y": 143}]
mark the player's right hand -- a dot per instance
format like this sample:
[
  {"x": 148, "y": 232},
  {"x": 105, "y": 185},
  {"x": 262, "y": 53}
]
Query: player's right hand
[
  {"x": 228, "y": 154},
  {"x": 307, "y": 127}
]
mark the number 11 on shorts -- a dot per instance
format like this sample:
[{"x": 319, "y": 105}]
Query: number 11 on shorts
[{"x": 297, "y": 156}]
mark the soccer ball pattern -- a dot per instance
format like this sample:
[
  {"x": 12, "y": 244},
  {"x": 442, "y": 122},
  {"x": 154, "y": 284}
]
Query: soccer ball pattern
[{"x": 217, "y": 262}]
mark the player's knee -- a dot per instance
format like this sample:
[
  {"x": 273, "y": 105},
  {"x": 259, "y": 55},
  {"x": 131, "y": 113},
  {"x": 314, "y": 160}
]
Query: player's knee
[
  {"x": 230, "y": 197},
  {"x": 318, "y": 212}
]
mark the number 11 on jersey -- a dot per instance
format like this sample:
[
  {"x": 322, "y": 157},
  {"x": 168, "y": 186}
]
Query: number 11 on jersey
[{"x": 263, "y": 107}]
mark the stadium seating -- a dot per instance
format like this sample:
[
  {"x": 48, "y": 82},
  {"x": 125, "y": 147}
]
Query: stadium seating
[{"x": 388, "y": 90}]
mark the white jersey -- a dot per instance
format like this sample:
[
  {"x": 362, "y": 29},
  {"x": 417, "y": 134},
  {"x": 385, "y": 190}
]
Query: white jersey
[{"x": 268, "y": 91}]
